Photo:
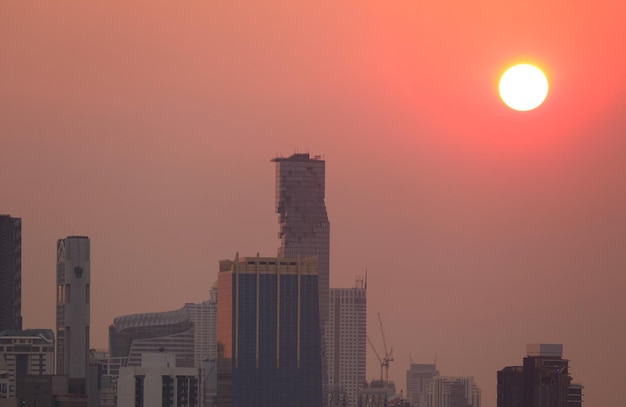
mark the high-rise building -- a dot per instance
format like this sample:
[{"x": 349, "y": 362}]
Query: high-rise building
[
  {"x": 511, "y": 387},
  {"x": 447, "y": 391},
  {"x": 268, "y": 333},
  {"x": 73, "y": 293},
  {"x": 419, "y": 378},
  {"x": 346, "y": 338},
  {"x": 543, "y": 380},
  {"x": 10, "y": 273},
  {"x": 304, "y": 227},
  {"x": 28, "y": 352}
]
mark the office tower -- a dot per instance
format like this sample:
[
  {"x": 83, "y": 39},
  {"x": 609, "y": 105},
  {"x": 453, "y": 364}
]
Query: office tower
[
  {"x": 268, "y": 333},
  {"x": 447, "y": 391},
  {"x": 511, "y": 387},
  {"x": 542, "y": 381},
  {"x": 28, "y": 352},
  {"x": 546, "y": 376},
  {"x": 346, "y": 338},
  {"x": 73, "y": 292},
  {"x": 158, "y": 382},
  {"x": 10, "y": 273},
  {"x": 419, "y": 378},
  {"x": 304, "y": 227}
]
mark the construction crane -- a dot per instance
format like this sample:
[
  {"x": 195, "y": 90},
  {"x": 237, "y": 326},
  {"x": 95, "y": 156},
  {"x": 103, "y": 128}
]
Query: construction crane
[{"x": 384, "y": 361}]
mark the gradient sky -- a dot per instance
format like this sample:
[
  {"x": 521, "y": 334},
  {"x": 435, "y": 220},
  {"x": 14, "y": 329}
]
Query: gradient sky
[{"x": 149, "y": 126}]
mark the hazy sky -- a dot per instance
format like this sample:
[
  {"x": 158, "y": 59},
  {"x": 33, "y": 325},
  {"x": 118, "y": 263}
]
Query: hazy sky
[{"x": 149, "y": 126}]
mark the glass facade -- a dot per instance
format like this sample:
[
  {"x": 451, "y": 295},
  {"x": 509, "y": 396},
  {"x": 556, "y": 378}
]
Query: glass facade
[{"x": 271, "y": 355}]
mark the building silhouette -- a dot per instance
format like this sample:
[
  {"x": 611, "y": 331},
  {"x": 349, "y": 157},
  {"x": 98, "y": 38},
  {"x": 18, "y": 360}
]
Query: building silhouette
[
  {"x": 449, "y": 391},
  {"x": 10, "y": 273},
  {"x": 268, "y": 333},
  {"x": 346, "y": 337},
  {"x": 543, "y": 380},
  {"x": 419, "y": 378},
  {"x": 72, "y": 319}
]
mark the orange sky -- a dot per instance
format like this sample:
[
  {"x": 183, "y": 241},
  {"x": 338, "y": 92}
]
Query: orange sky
[{"x": 149, "y": 126}]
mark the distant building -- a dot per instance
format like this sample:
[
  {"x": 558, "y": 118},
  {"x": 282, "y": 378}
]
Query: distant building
[
  {"x": 172, "y": 331},
  {"x": 346, "y": 337},
  {"x": 10, "y": 273},
  {"x": 419, "y": 379},
  {"x": 189, "y": 333},
  {"x": 268, "y": 333},
  {"x": 543, "y": 380},
  {"x": 158, "y": 382},
  {"x": 73, "y": 309},
  {"x": 29, "y": 352},
  {"x": 448, "y": 391}
]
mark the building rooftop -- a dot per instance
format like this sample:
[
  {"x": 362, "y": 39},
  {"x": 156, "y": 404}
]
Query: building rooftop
[{"x": 298, "y": 157}]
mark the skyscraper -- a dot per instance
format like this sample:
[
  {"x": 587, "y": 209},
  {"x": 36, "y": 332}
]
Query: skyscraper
[
  {"x": 73, "y": 292},
  {"x": 542, "y": 381},
  {"x": 419, "y": 379},
  {"x": 447, "y": 391},
  {"x": 268, "y": 333},
  {"x": 346, "y": 338},
  {"x": 304, "y": 227},
  {"x": 10, "y": 273}
]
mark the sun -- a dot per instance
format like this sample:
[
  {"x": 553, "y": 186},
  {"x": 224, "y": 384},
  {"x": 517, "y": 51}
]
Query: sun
[{"x": 523, "y": 87}]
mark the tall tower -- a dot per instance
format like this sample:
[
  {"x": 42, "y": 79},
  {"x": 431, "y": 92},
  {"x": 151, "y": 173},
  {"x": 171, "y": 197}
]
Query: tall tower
[
  {"x": 543, "y": 381},
  {"x": 73, "y": 286},
  {"x": 346, "y": 338},
  {"x": 419, "y": 378},
  {"x": 268, "y": 333},
  {"x": 10, "y": 273},
  {"x": 546, "y": 376},
  {"x": 304, "y": 227}
]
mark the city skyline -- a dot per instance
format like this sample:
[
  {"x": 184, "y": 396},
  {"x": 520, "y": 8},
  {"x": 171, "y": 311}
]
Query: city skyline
[{"x": 149, "y": 127}]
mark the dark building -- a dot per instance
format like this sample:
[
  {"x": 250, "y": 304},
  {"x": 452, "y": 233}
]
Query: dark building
[
  {"x": 575, "y": 395},
  {"x": 268, "y": 333},
  {"x": 10, "y": 273},
  {"x": 543, "y": 380},
  {"x": 511, "y": 387}
]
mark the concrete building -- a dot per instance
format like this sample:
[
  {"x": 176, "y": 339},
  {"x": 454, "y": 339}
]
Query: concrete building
[
  {"x": 268, "y": 333},
  {"x": 22, "y": 353},
  {"x": 189, "y": 333},
  {"x": 10, "y": 273},
  {"x": 448, "y": 391},
  {"x": 204, "y": 318},
  {"x": 346, "y": 337},
  {"x": 543, "y": 380},
  {"x": 171, "y": 331},
  {"x": 419, "y": 379},
  {"x": 73, "y": 310},
  {"x": 158, "y": 382}
]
